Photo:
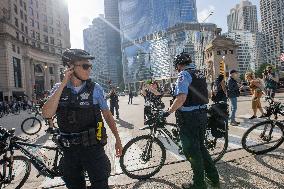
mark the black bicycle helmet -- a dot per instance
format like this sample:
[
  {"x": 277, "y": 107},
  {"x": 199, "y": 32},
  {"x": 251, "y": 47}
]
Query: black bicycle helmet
[
  {"x": 183, "y": 58},
  {"x": 75, "y": 55}
]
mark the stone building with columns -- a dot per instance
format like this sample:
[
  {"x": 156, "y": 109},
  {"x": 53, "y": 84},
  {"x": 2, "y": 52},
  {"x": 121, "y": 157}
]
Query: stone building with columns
[
  {"x": 33, "y": 34},
  {"x": 220, "y": 48}
]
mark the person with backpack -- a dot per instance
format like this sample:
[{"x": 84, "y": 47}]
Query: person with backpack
[
  {"x": 271, "y": 81},
  {"x": 256, "y": 89}
]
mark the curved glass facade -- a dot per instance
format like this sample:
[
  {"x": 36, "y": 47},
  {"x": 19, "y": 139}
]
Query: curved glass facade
[
  {"x": 139, "y": 18},
  {"x": 152, "y": 55}
]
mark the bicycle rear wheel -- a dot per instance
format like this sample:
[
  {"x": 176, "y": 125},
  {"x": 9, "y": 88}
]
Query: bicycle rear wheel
[
  {"x": 31, "y": 126},
  {"x": 263, "y": 137},
  {"x": 216, "y": 146},
  {"x": 20, "y": 172},
  {"x": 143, "y": 157}
]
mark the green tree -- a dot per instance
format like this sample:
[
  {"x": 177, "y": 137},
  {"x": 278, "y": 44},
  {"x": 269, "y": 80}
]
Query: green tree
[{"x": 261, "y": 69}]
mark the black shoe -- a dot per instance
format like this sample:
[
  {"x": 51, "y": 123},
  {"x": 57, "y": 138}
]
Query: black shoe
[
  {"x": 212, "y": 184},
  {"x": 191, "y": 186},
  {"x": 252, "y": 117},
  {"x": 234, "y": 123},
  {"x": 262, "y": 116}
]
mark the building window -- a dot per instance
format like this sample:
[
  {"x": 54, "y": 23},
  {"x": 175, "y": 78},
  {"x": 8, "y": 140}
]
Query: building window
[
  {"x": 50, "y": 20},
  {"x": 21, "y": 3},
  {"x": 21, "y": 14},
  {"x": 51, "y": 83},
  {"x": 15, "y": 9},
  {"x": 31, "y": 11},
  {"x": 45, "y": 28},
  {"x": 25, "y": 6},
  {"x": 17, "y": 35},
  {"x": 37, "y": 36},
  {"x": 26, "y": 29},
  {"x": 46, "y": 48},
  {"x": 59, "y": 42},
  {"x": 45, "y": 38},
  {"x": 52, "y": 40},
  {"x": 32, "y": 22},
  {"x": 58, "y": 33},
  {"x": 33, "y": 43},
  {"x": 231, "y": 51},
  {"x": 225, "y": 51},
  {"x": 17, "y": 72},
  {"x": 32, "y": 33},
  {"x": 51, "y": 70},
  {"x": 218, "y": 52},
  {"x": 22, "y": 27},
  {"x": 44, "y": 18},
  {"x": 37, "y": 24},
  {"x": 18, "y": 50},
  {"x": 52, "y": 49},
  {"x": 26, "y": 18},
  {"x": 51, "y": 30},
  {"x": 23, "y": 39},
  {"x": 14, "y": 48},
  {"x": 16, "y": 22}
]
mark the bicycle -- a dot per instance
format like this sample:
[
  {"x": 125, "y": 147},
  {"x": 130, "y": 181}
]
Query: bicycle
[
  {"x": 149, "y": 153},
  {"x": 33, "y": 125},
  {"x": 15, "y": 169},
  {"x": 267, "y": 135}
]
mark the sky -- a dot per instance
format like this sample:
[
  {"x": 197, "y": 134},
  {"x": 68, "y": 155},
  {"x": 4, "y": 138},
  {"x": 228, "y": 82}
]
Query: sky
[{"x": 82, "y": 12}]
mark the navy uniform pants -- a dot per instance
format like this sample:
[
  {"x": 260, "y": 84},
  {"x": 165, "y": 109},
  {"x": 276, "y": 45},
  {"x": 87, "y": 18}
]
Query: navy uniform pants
[
  {"x": 92, "y": 160},
  {"x": 192, "y": 134}
]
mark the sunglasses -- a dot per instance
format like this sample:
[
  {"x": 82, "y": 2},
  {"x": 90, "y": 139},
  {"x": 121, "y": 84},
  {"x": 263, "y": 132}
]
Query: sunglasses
[{"x": 85, "y": 66}]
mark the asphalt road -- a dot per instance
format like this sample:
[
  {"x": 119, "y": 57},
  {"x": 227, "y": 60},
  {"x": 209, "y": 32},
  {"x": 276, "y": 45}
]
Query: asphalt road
[{"x": 237, "y": 169}]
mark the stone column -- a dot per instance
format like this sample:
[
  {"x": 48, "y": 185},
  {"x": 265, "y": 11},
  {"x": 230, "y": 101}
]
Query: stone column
[
  {"x": 56, "y": 73},
  {"x": 46, "y": 77}
]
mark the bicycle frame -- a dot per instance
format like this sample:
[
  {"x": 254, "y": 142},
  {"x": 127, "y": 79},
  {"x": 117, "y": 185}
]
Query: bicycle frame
[{"x": 37, "y": 163}]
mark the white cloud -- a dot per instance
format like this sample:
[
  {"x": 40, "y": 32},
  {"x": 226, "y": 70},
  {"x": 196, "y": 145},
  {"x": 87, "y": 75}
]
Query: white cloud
[
  {"x": 81, "y": 15},
  {"x": 204, "y": 13}
]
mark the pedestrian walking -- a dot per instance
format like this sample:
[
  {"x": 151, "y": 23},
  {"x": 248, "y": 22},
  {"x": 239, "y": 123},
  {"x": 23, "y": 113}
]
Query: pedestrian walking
[
  {"x": 80, "y": 107},
  {"x": 114, "y": 103},
  {"x": 256, "y": 89},
  {"x": 191, "y": 98},
  {"x": 233, "y": 94},
  {"x": 271, "y": 80},
  {"x": 130, "y": 97}
]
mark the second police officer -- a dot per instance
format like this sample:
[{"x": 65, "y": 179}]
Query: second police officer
[
  {"x": 80, "y": 107},
  {"x": 191, "y": 97}
]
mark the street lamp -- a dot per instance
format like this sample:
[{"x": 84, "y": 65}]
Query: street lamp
[{"x": 202, "y": 39}]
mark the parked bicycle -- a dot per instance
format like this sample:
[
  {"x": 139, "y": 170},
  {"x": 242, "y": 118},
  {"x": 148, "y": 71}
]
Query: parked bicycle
[
  {"x": 267, "y": 135},
  {"x": 33, "y": 125},
  {"x": 15, "y": 169},
  {"x": 145, "y": 155}
]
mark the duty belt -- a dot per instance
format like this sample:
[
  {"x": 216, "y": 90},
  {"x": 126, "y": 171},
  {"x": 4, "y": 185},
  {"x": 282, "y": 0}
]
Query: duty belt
[{"x": 85, "y": 138}]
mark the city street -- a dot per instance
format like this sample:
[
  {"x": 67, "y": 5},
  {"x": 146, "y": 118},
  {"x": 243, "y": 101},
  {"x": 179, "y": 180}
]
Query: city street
[{"x": 238, "y": 169}]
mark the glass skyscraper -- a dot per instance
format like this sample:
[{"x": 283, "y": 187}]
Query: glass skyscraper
[
  {"x": 141, "y": 17},
  {"x": 153, "y": 32}
]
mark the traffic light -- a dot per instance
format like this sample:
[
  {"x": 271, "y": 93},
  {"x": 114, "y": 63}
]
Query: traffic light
[{"x": 222, "y": 68}]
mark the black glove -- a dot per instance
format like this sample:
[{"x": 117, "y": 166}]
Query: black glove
[
  {"x": 50, "y": 130},
  {"x": 165, "y": 113}
]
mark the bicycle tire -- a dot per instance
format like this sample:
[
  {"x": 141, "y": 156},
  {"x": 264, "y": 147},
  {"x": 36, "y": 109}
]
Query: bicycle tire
[
  {"x": 221, "y": 153},
  {"x": 254, "y": 128},
  {"x": 131, "y": 174},
  {"x": 26, "y": 131},
  {"x": 26, "y": 161}
]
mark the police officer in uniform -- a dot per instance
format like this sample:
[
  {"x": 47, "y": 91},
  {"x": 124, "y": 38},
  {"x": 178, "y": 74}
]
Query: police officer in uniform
[
  {"x": 191, "y": 97},
  {"x": 80, "y": 107}
]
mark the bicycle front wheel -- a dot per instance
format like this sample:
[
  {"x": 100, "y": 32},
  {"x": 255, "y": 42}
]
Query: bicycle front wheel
[
  {"x": 216, "y": 146},
  {"x": 31, "y": 126},
  {"x": 21, "y": 169},
  {"x": 143, "y": 157},
  {"x": 263, "y": 137}
]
